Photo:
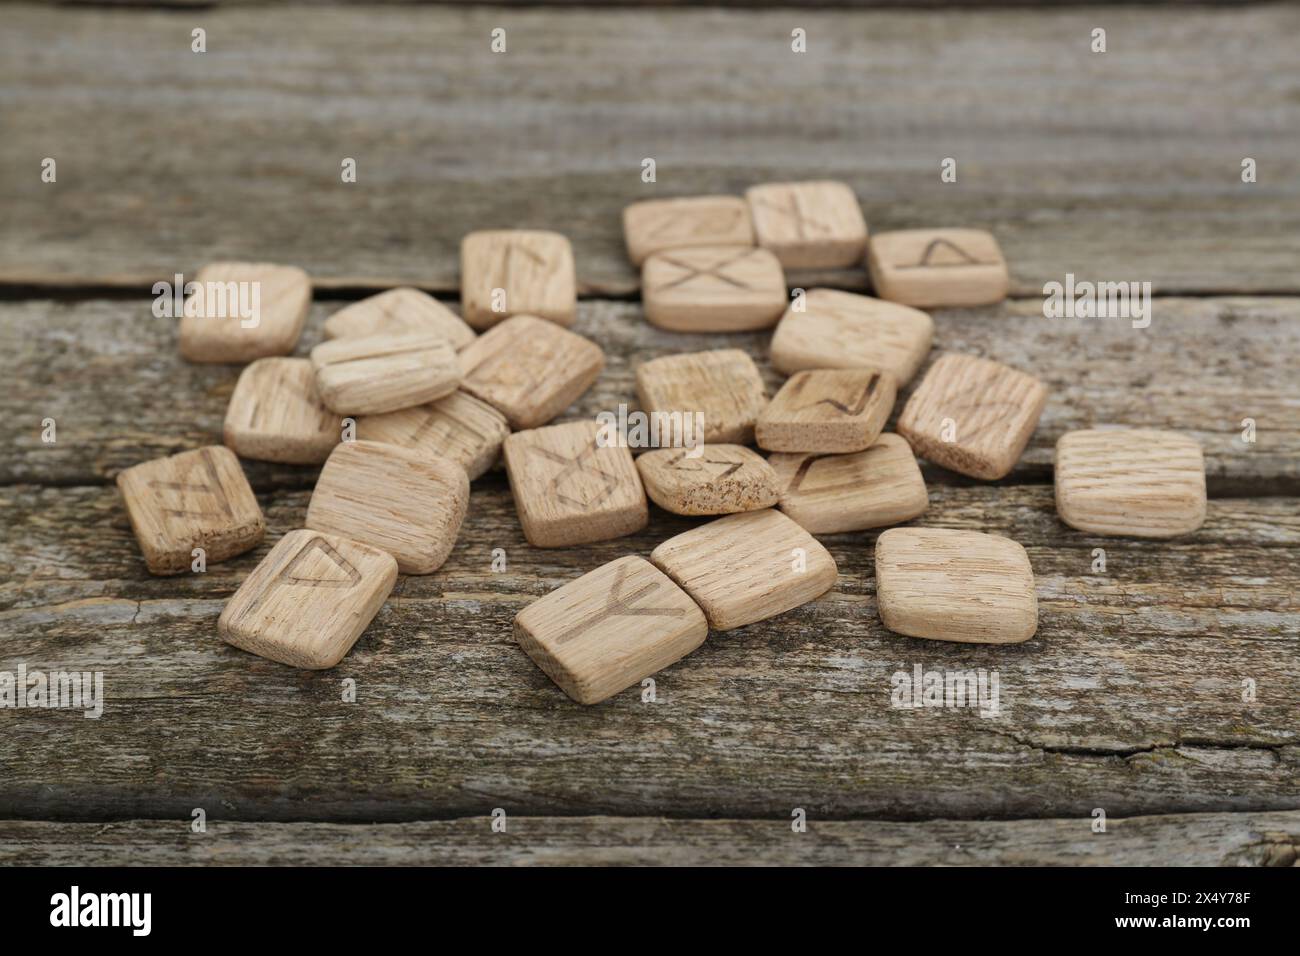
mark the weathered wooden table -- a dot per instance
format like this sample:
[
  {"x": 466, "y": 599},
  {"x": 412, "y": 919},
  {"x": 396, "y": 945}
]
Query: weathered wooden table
[{"x": 1117, "y": 166}]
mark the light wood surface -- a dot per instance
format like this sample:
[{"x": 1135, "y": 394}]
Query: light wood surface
[
  {"x": 713, "y": 289},
  {"x": 809, "y": 225},
  {"x": 723, "y": 385},
  {"x": 570, "y": 489},
  {"x": 407, "y": 502},
  {"x": 610, "y": 629},
  {"x": 373, "y": 374},
  {"x": 220, "y": 332},
  {"x": 721, "y": 479},
  {"x": 309, "y": 600},
  {"x": 530, "y": 370},
  {"x": 1130, "y": 481},
  {"x": 459, "y": 428},
  {"x": 955, "y": 585},
  {"x": 398, "y": 312},
  {"x": 505, "y": 272},
  {"x": 658, "y": 225},
  {"x": 747, "y": 567},
  {"x": 973, "y": 415},
  {"x": 275, "y": 414},
  {"x": 831, "y": 494},
  {"x": 831, "y": 411},
  {"x": 844, "y": 330},
  {"x": 933, "y": 268},
  {"x": 196, "y": 499}
]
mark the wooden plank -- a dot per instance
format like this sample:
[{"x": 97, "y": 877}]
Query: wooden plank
[
  {"x": 825, "y": 4},
  {"x": 110, "y": 376},
  {"x": 1097, "y": 164},
  {"x": 1129, "y": 698},
  {"x": 1201, "y": 839}
]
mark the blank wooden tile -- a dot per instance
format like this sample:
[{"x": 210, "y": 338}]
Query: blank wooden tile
[
  {"x": 275, "y": 414},
  {"x": 406, "y": 502},
  {"x": 533, "y": 269},
  {"x": 309, "y": 600},
  {"x": 399, "y": 312},
  {"x": 654, "y": 225},
  {"x": 720, "y": 480},
  {"x": 955, "y": 586},
  {"x": 713, "y": 289},
  {"x": 530, "y": 370},
  {"x": 843, "y": 330},
  {"x": 1136, "y": 482},
  {"x": 283, "y": 299},
  {"x": 610, "y": 629},
  {"x": 746, "y": 567},
  {"x": 459, "y": 428},
  {"x": 810, "y": 225},
  {"x": 830, "y": 494},
  {"x": 197, "y": 499},
  {"x": 972, "y": 415},
  {"x": 724, "y": 385},
  {"x": 371, "y": 374},
  {"x": 568, "y": 489},
  {"x": 827, "y": 410},
  {"x": 930, "y": 268}
]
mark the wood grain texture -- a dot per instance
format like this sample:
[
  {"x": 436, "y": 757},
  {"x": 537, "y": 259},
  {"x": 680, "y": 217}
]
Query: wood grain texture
[
  {"x": 108, "y": 373},
  {"x": 1129, "y": 698},
  {"x": 1100, "y": 165},
  {"x": 719, "y": 480},
  {"x": 1194, "y": 839},
  {"x": 404, "y": 501},
  {"x": 374, "y": 374}
]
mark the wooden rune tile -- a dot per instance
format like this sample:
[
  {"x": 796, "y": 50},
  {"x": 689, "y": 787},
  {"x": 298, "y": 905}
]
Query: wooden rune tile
[
  {"x": 1136, "y": 482},
  {"x": 972, "y": 415},
  {"x": 530, "y": 370},
  {"x": 275, "y": 414},
  {"x": 372, "y": 374},
  {"x": 569, "y": 489},
  {"x": 721, "y": 479},
  {"x": 747, "y": 567},
  {"x": 713, "y": 289},
  {"x": 215, "y": 327},
  {"x": 459, "y": 428},
  {"x": 724, "y": 385},
  {"x": 827, "y": 410},
  {"x": 654, "y": 225},
  {"x": 930, "y": 268},
  {"x": 197, "y": 499},
  {"x": 507, "y": 272},
  {"x": 809, "y": 225},
  {"x": 399, "y": 312},
  {"x": 830, "y": 494},
  {"x": 406, "y": 502},
  {"x": 610, "y": 629},
  {"x": 955, "y": 586},
  {"x": 309, "y": 600},
  {"x": 842, "y": 330}
]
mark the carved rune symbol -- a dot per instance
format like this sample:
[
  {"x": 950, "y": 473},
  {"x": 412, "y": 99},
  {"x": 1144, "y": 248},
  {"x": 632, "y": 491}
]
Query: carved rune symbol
[
  {"x": 618, "y": 604},
  {"x": 288, "y": 575},
  {"x": 528, "y": 259},
  {"x": 727, "y": 468},
  {"x": 852, "y": 483},
  {"x": 943, "y": 253},
  {"x": 850, "y": 410},
  {"x": 187, "y": 488},
  {"x": 577, "y": 467},
  {"x": 790, "y": 210},
  {"x": 673, "y": 226},
  {"x": 691, "y": 272}
]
